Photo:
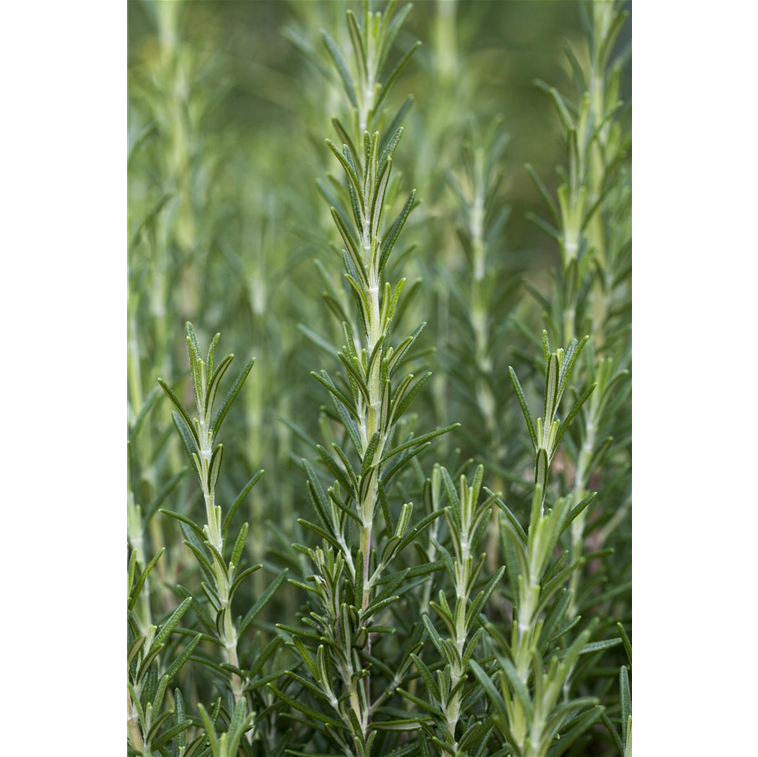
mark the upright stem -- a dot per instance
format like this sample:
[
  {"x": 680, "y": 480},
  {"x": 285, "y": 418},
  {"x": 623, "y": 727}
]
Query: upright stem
[
  {"x": 372, "y": 424},
  {"x": 366, "y": 554},
  {"x": 228, "y": 630},
  {"x": 370, "y": 364},
  {"x": 231, "y": 653},
  {"x": 579, "y": 493},
  {"x": 463, "y": 567}
]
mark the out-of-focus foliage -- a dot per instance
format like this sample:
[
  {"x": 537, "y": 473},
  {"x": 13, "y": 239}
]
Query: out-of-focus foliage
[{"x": 516, "y": 139}]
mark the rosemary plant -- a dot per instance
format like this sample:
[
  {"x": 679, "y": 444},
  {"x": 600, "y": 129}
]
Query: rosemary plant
[
  {"x": 449, "y": 697},
  {"x": 547, "y": 432},
  {"x": 470, "y": 601},
  {"x": 485, "y": 282},
  {"x": 595, "y": 148},
  {"x": 349, "y": 585},
  {"x": 210, "y": 542},
  {"x": 595, "y": 242},
  {"x": 172, "y": 90},
  {"x": 150, "y": 672},
  {"x": 533, "y": 705}
]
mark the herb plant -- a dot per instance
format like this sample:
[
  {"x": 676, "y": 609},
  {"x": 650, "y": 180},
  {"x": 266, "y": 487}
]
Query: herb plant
[
  {"x": 147, "y": 685},
  {"x": 485, "y": 284},
  {"x": 428, "y": 567},
  {"x": 449, "y": 697},
  {"x": 209, "y": 543},
  {"x": 532, "y": 706},
  {"x": 350, "y": 585},
  {"x": 593, "y": 233}
]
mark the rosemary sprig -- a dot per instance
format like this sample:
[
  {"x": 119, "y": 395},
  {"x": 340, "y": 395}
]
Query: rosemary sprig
[
  {"x": 210, "y": 542},
  {"x": 370, "y": 399}
]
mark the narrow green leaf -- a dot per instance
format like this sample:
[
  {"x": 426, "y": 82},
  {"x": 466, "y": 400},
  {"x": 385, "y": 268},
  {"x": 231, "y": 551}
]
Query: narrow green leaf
[
  {"x": 296, "y": 704},
  {"x": 339, "y": 62},
  {"x": 180, "y": 408},
  {"x": 143, "y": 577},
  {"x": 261, "y": 602},
  {"x": 395, "y": 230},
  {"x": 420, "y": 440},
  {"x": 524, "y": 406},
  {"x": 393, "y": 76},
  {"x": 626, "y": 700},
  {"x": 240, "y": 499},
  {"x": 218, "y": 419}
]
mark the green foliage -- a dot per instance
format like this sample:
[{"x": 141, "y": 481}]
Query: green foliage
[
  {"x": 486, "y": 290},
  {"x": 370, "y": 398},
  {"x": 531, "y": 706},
  {"x": 387, "y": 588},
  {"x": 149, "y": 671},
  {"x": 208, "y": 544},
  {"x": 548, "y": 430},
  {"x": 594, "y": 233},
  {"x": 450, "y": 698},
  {"x": 371, "y": 40}
]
